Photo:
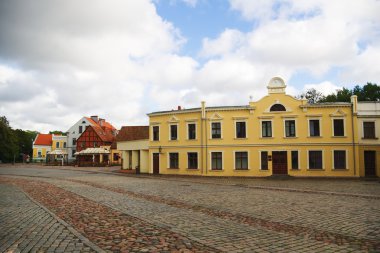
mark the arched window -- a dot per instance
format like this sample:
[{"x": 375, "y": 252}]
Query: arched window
[{"x": 277, "y": 108}]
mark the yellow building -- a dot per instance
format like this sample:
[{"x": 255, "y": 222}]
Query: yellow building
[
  {"x": 277, "y": 135},
  {"x": 368, "y": 125},
  {"x": 41, "y": 146}
]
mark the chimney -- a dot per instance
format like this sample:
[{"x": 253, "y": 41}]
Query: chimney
[
  {"x": 94, "y": 118},
  {"x": 179, "y": 108},
  {"x": 101, "y": 122}
]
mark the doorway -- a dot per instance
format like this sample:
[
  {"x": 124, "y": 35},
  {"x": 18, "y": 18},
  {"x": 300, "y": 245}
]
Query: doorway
[
  {"x": 370, "y": 163},
  {"x": 156, "y": 163},
  {"x": 280, "y": 162}
]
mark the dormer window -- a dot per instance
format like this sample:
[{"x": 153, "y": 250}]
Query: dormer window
[{"x": 278, "y": 108}]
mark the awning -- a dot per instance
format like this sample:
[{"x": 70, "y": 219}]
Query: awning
[
  {"x": 58, "y": 152},
  {"x": 92, "y": 151}
]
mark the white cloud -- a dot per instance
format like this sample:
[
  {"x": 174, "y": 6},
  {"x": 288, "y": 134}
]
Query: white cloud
[{"x": 326, "y": 88}]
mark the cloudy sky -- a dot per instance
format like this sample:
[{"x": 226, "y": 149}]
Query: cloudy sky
[{"x": 120, "y": 59}]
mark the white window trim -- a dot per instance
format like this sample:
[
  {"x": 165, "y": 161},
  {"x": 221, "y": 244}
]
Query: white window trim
[
  {"x": 320, "y": 127},
  {"x": 295, "y": 126},
  {"x": 187, "y": 165},
  {"x": 374, "y": 121},
  {"x": 210, "y": 162},
  {"x": 168, "y": 160},
  {"x": 344, "y": 126},
  {"x": 234, "y": 160},
  {"x": 260, "y": 151},
  {"x": 261, "y": 128},
  {"x": 246, "y": 129},
  {"x": 159, "y": 133},
  {"x": 299, "y": 159},
  {"x": 221, "y": 129},
  {"x": 333, "y": 158},
  {"x": 187, "y": 130},
  {"x": 170, "y": 133},
  {"x": 323, "y": 160}
]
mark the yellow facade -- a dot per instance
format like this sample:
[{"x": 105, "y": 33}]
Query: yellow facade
[
  {"x": 311, "y": 156},
  {"x": 39, "y": 152}
]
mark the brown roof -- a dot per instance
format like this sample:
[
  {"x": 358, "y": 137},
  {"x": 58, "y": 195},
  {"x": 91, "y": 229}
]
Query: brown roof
[
  {"x": 104, "y": 123},
  {"x": 133, "y": 133},
  {"x": 106, "y": 134},
  {"x": 43, "y": 139}
]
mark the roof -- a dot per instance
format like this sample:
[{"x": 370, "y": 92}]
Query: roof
[
  {"x": 92, "y": 151},
  {"x": 197, "y": 109},
  {"x": 133, "y": 133},
  {"x": 43, "y": 139},
  {"x": 104, "y": 123},
  {"x": 104, "y": 133},
  {"x": 58, "y": 152}
]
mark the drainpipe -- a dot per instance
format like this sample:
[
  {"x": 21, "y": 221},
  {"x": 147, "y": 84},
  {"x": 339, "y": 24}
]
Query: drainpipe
[
  {"x": 354, "y": 103},
  {"x": 203, "y": 117}
]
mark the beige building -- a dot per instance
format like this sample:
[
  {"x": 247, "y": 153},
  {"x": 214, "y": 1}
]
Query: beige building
[{"x": 133, "y": 142}]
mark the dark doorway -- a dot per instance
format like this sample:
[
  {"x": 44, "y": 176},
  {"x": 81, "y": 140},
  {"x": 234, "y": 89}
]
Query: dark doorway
[
  {"x": 370, "y": 163},
  {"x": 156, "y": 163},
  {"x": 280, "y": 162}
]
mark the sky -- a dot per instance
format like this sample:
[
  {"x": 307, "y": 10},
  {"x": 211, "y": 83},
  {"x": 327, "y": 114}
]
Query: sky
[{"x": 122, "y": 59}]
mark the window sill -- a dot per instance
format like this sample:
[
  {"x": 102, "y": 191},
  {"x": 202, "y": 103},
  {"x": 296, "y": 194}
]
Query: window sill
[
  {"x": 295, "y": 169},
  {"x": 262, "y": 137},
  {"x": 241, "y": 169},
  {"x": 191, "y": 139},
  {"x": 195, "y": 169},
  {"x": 173, "y": 168},
  {"x": 267, "y": 170},
  {"x": 339, "y": 169},
  {"x": 315, "y": 169},
  {"x": 215, "y": 139},
  {"x": 217, "y": 170},
  {"x": 338, "y": 136},
  {"x": 242, "y": 138},
  {"x": 315, "y": 136},
  {"x": 367, "y": 138},
  {"x": 174, "y": 140},
  {"x": 290, "y": 137}
]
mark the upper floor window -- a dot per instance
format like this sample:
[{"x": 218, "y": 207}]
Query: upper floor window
[
  {"x": 241, "y": 129},
  {"x": 80, "y": 129},
  {"x": 290, "y": 128},
  {"x": 369, "y": 130},
  {"x": 216, "y": 130},
  {"x": 173, "y": 132},
  {"x": 156, "y": 133},
  {"x": 277, "y": 108},
  {"x": 95, "y": 144},
  {"x": 173, "y": 160},
  {"x": 57, "y": 144},
  {"x": 64, "y": 145},
  {"x": 338, "y": 127},
  {"x": 266, "y": 128},
  {"x": 314, "y": 129},
  {"x": 241, "y": 160},
  {"x": 191, "y": 128},
  {"x": 216, "y": 160},
  {"x": 74, "y": 141}
]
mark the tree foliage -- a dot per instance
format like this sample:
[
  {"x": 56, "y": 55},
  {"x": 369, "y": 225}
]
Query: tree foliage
[
  {"x": 14, "y": 143},
  {"x": 369, "y": 92}
]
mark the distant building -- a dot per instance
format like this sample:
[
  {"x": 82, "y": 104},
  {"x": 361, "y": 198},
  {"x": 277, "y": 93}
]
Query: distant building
[{"x": 42, "y": 144}]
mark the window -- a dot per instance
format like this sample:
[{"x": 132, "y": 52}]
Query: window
[
  {"x": 290, "y": 128},
  {"x": 95, "y": 144},
  {"x": 264, "y": 160},
  {"x": 266, "y": 128},
  {"x": 57, "y": 144},
  {"x": 216, "y": 131},
  {"x": 82, "y": 144},
  {"x": 173, "y": 160},
  {"x": 191, "y": 135},
  {"x": 173, "y": 132},
  {"x": 216, "y": 161},
  {"x": 116, "y": 157},
  {"x": 295, "y": 160},
  {"x": 39, "y": 153},
  {"x": 192, "y": 160},
  {"x": 340, "y": 159},
  {"x": 156, "y": 133},
  {"x": 64, "y": 145},
  {"x": 80, "y": 129},
  {"x": 314, "y": 127},
  {"x": 315, "y": 160},
  {"x": 241, "y": 160},
  {"x": 73, "y": 152},
  {"x": 369, "y": 130},
  {"x": 240, "y": 130},
  {"x": 277, "y": 108},
  {"x": 338, "y": 127},
  {"x": 74, "y": 141}
]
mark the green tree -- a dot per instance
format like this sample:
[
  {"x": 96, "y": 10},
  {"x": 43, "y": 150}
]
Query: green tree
[
  {"x": 8, "y": 142},
  {"x": 312, "y": 96},
  {"x": 369, "y": 92},
  {"x": 343, "y": 95}
]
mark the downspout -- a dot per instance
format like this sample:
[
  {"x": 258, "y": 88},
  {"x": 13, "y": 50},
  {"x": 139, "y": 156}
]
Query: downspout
[
  {"x": 354, "y": 100},
  {"x": 203, "y": 116}
]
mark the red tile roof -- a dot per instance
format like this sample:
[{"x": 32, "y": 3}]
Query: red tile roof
[
  {"x": 104, "y": 133},
  {"x": 133, "y": 133},
  {"x": 43, "y": 139},
  {"x": 104, "y": 123}
]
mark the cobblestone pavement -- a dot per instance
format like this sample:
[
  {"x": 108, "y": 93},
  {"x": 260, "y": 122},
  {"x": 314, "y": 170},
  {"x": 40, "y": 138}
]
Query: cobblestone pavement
[
  {"x": 26, "y": 227},
  {"x": 233, "y": 215}
]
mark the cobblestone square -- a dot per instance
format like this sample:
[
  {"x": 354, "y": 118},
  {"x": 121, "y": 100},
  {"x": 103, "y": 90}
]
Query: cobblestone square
[{"x": 63, "y": 209}]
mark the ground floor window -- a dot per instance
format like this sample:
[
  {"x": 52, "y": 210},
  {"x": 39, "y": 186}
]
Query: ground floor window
[
  {"x": 192, "y": 160},
  {"x": 173, "y": 160},
  {"x": 241, "y": 160},
  {"x": 295, "y": 160},
  {"x": 339, "y": 159},
  {"x": 216, "y": 160},
  {"x": 116, "y": 157},
  {"x": 315, "y": 160},
  {"x": 264, "y": 160}
]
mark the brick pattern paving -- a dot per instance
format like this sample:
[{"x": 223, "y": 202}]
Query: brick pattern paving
[
  {"x": 109, "y": 229},
  {"x": 354, "y": 242},
  {"x": 26, "y": 227}
]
